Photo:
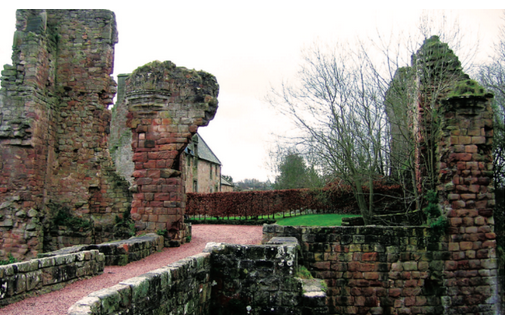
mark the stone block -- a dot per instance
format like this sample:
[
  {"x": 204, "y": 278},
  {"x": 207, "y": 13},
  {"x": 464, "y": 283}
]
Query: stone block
[
  {"x": 358, "y": 239},
  {"x": 480, "y": 220},
  {"x": 468, "y": 196},
  {"x": 464, "y": 140},
  {"x": 478, "y": 140},
  {"x": 110, "y": 299},
  {"x": 466, "y": 246}
]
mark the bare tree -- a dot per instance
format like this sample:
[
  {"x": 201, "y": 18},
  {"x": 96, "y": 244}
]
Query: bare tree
[
  {"x": 492, "y": 76},
  {"x": 340, "y": 115},
  {"x": 356, "y": 112},
  {"x": 419, "y": 68}
]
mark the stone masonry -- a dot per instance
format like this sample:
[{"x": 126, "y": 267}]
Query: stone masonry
[
  {"x": 464, "y": 173},
  {"x": 466, "y": 194},
  {"x": 225, "y": 279},
  {"x": 394, "y": 270},
  {"x": 54, "y": 126},
  {"x": 37, "y": 276},
  {"x": 120, "y": 140},
  {"x": 166, "y": 106},
  {"x": 446, "y": 268}
]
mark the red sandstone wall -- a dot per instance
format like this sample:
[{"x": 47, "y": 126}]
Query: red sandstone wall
[
  {"x": 26, "y": 137},
  {"x": 467, "y": 195},
  {"x": 166, "y": 106},
  {"x": 54, "y": 127},
  {"x": 395, "y": 270},
  {"x": 461, "y": 129}
]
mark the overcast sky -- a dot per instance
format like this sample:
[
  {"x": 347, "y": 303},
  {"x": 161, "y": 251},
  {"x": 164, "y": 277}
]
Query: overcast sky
[{"x": 249, "y": 46}]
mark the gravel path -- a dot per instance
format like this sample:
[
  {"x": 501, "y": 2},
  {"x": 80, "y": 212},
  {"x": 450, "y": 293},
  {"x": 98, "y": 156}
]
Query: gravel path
[{"x": 58, "y": 302}]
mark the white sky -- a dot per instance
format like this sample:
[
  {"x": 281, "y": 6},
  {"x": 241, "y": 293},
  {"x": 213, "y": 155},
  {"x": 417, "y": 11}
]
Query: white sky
[{"x": 248, "y": 46}]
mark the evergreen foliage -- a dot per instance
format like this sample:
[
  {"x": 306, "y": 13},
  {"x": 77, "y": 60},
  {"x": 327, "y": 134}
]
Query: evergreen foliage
[{"x": 294, "y": 173}]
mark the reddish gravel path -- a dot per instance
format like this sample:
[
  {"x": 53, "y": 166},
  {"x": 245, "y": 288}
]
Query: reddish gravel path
[{"x": 58, "y": 302}]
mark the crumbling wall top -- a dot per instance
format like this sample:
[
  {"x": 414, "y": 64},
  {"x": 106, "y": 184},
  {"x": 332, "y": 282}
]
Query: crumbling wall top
[{"x": 154, "y": 86}]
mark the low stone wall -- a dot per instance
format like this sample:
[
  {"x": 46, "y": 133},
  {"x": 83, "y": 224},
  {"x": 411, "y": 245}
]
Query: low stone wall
[
  {"x": 120, "y": 252},
  {"x": 255, "y": 279},
  {"x": 224, "y": 279},
  {"x": 179, "y": 288},
  {"x": 56, "y": 269},
  {"x": 36, "y": 276},
  {"x": 395, "y": 270}
]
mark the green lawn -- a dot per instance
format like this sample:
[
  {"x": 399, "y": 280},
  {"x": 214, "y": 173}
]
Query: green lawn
[{"x": 316, "y": 220}]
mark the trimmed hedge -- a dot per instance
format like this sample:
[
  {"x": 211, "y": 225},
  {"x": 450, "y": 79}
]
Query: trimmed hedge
[{"x": 253, "y": 204}]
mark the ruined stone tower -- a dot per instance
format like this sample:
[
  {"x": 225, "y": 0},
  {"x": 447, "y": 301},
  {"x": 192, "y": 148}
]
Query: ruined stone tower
[
  {"x": 166, "y": 105},
  {"x": 54, "y": 126},
  {"x": 58, "y": 183},
  {"x": 452, "y": 136}
]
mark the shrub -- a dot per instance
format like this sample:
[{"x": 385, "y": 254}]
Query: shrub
[
  {"x": 10, "y": 260},
  {"x": 436, "y": 221},
  {"x": 62, "y": 216},
  {"x": 125, "y": 226}
]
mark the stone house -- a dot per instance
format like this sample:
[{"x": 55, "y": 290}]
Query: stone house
[
  {"x": 226, "y": 186},
  {"x": 202, "y": 168}
]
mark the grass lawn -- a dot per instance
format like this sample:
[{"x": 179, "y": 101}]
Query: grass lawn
[{"x": 316, "y": 220}]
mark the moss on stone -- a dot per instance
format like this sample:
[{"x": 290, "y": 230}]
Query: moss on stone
[
  {"x": 466, "y": 88},
  {"x": 123, "y": 260},
  {"x": 153, "y": 64},
  {"x": 303, "y": 273}
]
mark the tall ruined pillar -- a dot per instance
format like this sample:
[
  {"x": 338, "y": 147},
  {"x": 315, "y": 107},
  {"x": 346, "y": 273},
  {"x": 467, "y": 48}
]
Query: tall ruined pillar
[
  {"x": 456, "y": 113},
  {"x": 26, "y": 135},
  {"x": 166, "y": 106},
  {"x": 54, "y": 125},
  {"x": 466, "y": 194}
]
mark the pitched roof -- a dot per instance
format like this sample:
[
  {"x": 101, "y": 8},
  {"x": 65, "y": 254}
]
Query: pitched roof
[
  {"x": 225, "y": 182},
  {"x": 204, "y": 152}
]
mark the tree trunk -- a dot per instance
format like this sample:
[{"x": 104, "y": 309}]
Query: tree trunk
[{"x": 362, "y": 204}]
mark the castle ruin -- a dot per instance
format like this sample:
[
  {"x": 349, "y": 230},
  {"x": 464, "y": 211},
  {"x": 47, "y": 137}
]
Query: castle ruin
[{"x": 58, "y": 183}]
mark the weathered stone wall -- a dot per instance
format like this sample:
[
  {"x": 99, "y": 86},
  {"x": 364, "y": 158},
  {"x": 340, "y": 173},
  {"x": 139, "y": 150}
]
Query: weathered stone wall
[
  {"x": 224, "y": 279},
  {"x": 166, "y": 106},
  {"x": 120, "y": 252},
  {"x": 466, "y": 194},
  {"x": 54, "y": 127},
  {"x": 395, "y": 270},
  {"x": 120, "y": 140},
  {"x": 463, "y": 132},
  {"x": 180, "y": 288},
  {"x": 258, "y": 279},
  {"x": 37, "y": 276},
  {"x": 53, "y": 270},
  {"x": 27, "y": 136},
  {"x": 452, "y": 122}
]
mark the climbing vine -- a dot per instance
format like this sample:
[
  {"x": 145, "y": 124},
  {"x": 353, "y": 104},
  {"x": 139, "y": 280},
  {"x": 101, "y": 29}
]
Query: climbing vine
[{"x": 437, "y": 222}]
